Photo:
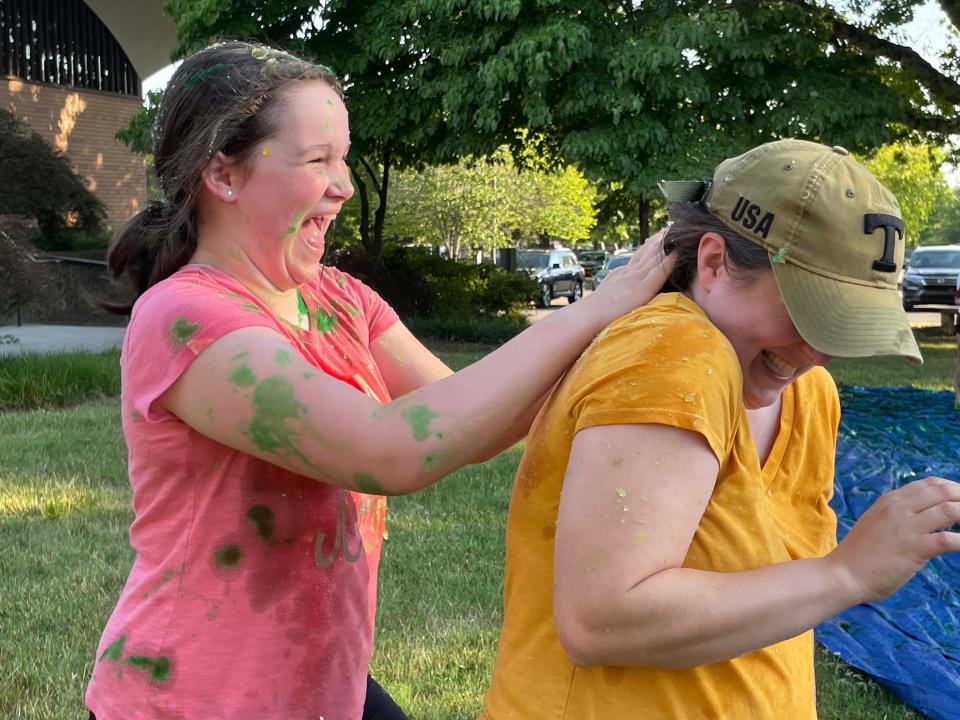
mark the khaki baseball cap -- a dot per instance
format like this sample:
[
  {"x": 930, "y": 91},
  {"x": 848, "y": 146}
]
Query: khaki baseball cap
[{"x": 835, "y": 237}]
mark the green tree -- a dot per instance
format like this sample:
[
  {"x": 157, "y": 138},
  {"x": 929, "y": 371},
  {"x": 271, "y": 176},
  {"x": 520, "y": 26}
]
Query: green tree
[
  {"x": 451, "y": 205},
  {"x": 485, "y": 204},
  {"x": 912, "y": 173},
  {"x": 943, "y": 224},
  {"x": 37, "y": 180},
  {"x": 629, "y": 92}
]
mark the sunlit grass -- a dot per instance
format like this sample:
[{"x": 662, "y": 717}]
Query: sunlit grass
[{"x": 65, "y": 514}]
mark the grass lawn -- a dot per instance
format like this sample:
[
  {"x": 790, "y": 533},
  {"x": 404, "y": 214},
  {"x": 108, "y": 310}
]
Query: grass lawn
[{"x": 64, "y": 515}]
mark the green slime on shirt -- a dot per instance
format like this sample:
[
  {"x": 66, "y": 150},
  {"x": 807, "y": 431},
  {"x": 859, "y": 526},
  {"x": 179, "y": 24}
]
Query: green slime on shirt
[
  {"x": 181, "y": 330},
  {"x": 263, "y": 518}
]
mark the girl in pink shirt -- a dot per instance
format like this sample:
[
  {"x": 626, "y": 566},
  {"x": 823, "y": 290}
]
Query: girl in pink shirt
[{"x": 270, "y": 403}]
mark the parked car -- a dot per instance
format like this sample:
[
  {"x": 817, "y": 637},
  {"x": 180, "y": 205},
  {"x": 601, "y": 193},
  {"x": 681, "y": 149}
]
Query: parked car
[
  {"x": 930, "y": 276},
  {"x": 611, "y": 264},
  {"x": 591, "y": 261},
  {"x": 557, "y": 272}
]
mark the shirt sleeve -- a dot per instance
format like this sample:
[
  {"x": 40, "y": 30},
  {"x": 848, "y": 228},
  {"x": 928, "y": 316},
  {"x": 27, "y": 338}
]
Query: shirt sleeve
[
  {"x": 666, "y": 368},
  {"x": 171, "y": 324},
  {"x": 377, "y": 311}
]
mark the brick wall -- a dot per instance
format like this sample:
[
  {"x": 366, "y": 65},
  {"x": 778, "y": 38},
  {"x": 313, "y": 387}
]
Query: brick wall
[{"x": 82, "y": 124}]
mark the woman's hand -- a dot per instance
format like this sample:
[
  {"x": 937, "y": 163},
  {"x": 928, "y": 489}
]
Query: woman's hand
[
  {"x": 897, "y": 535},
  {"x": 634, "y": 284}
]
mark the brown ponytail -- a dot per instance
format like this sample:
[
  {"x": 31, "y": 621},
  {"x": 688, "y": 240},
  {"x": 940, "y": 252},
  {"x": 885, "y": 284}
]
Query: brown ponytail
[{"x": 225, "y": 98}]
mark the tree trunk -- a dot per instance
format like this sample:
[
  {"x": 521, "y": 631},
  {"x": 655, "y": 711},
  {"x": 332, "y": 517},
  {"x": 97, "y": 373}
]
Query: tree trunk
[
  {"x": 381, "y": 214},
  {"x": 364, "y": 209},
  {"x": 643, "y": 218}
]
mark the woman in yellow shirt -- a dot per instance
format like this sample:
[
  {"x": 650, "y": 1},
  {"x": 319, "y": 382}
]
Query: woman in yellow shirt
[{"x": 670, "y": 544}]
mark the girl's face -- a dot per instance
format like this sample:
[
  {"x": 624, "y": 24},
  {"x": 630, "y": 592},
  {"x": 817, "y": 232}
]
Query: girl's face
[
  {"x": 295, "y": 184},
  {"x": 754, "y": 319}
]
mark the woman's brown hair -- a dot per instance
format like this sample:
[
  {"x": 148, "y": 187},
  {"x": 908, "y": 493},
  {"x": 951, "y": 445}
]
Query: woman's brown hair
[
  {"x": 745, "y": 259},
  {"x": 225, "y": 98}
]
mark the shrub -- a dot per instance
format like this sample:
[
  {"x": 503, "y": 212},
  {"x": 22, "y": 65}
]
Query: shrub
[
  {"x": 24, "y": 280},
  {"x": 37, "y": 181},
  {"x": 436, "y": 287},
  {"x": 486, "y": 330}
]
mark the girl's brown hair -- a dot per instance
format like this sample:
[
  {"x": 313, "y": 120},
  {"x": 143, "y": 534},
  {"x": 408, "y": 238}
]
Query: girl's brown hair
[{"x": 225, "y": 98}]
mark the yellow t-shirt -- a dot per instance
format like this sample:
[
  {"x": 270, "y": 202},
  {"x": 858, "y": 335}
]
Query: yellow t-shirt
[{"x": 666, "y": 363}]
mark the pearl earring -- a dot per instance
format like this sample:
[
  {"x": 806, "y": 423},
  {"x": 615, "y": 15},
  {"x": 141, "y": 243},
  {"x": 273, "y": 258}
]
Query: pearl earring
[{"x": 229, "y": 193}]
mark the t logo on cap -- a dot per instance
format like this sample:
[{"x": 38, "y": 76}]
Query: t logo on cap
[{"x": 890, "y": 224}]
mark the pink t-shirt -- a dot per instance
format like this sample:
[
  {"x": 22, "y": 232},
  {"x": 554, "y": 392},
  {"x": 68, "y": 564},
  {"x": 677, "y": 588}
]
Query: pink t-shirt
[{"x": 253, "y": 591}]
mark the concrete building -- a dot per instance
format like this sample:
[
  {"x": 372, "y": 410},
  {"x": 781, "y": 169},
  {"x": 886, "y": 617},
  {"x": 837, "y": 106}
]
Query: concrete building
[{"x": 71, "y": 70}]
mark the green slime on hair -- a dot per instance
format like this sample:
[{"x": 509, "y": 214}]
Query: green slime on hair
[
  {"x": 419, "y": 418},
  {"x": 181, "y": 330},
  {"x": 202, "y": 75}
]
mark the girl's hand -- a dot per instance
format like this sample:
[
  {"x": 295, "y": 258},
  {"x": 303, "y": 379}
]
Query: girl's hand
[
  {"x": 897, "y": 535},
  {"x": 637, "y": 282}
]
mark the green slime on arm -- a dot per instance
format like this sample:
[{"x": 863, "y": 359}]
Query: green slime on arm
[
  {"x": 419, "y": 418},
  {"x": 366, "y": 483},
  {"x": 273, "y": 404}
]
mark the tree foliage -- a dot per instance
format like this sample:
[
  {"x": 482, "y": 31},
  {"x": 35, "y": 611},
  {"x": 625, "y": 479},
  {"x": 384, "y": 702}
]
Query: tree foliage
[
  {"x": 943, "y": 224},
  {"x": 37, "y": 181},
  {"x": 489, "y": 203},
  {"x": 913, "y": 174},
  {"x": 629, "y": 92}
]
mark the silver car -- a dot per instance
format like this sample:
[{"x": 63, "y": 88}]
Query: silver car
[{"x": 930, "y": 276}]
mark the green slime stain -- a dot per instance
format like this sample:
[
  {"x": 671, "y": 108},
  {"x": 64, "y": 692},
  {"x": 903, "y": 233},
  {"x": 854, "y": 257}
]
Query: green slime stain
[
  {"x": 262, "y": 517},
  {"x": 273, "y": 404},
  {"x": 243, "y": 377},
  {"x": 351, "y": 310},
  {"x": 366, "y": 483},
  {"x": 159, "y": 668},
  {"x": 202, "y": 75},
  {"x": 326, "y": 322},
  {"x": 229, "y": 556},
  {"x": 419, "y": 418},
  {"x": 181, "y": 330},
  {"x": 295, "y": 223},
  {"x": 283, "y": 357},
  {"x": 115, "y": 650}
]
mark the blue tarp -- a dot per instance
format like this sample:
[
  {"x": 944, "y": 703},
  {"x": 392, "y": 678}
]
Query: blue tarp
[{"x": 910, "y": 642}]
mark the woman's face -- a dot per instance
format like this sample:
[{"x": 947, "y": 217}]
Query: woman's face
[
  {"x": 295, "y": 184},
  {"x": 751, "y": 313}
]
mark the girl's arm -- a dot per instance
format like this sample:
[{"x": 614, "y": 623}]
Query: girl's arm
[
  {"x": 622, "y": 597},
  {"x": 406, "y": 365},
  {"x": 248, "y": 391}
]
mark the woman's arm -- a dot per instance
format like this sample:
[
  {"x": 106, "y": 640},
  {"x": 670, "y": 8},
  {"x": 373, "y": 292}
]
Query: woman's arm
[
  {"x": 622, "y": 597},
  {"x": 250, "y": 391}
]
